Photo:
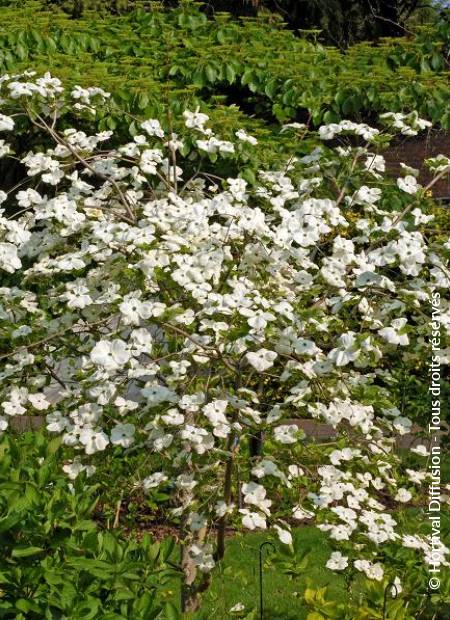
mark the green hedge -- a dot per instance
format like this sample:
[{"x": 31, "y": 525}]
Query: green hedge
[{"x": 174, "y": 55}]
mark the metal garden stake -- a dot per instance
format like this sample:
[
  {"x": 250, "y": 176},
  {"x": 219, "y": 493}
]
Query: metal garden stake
[
  {"x": 267, "y": 543},
  {"x": 392, "y": 589}
]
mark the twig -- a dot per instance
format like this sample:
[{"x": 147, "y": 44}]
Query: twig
[{"x": 114, "y": 183}]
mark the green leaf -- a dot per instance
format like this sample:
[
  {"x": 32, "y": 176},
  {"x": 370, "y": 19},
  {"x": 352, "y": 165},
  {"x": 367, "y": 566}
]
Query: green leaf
[
  {"x": 26, "y": 605},
  {"x": 143, "y": 101},
  {"x": 310, "y": 596},
  {"x": 249, "y": 175},
  {"x": 271, "y": 88},
  {"x": 88, "y": 609},
  {"x": 111, "y": 122},
  {"x": 10, "y": 521},
  {"x": 230, "y": 73},
  {"x": 172, "y": 612},
  {"x": 25, "y": 552},
  {"x": 54, "y": 445},
  {"x": 445, "y": 120},
  {"x": 210, "y": 73},
  {"x": 97, "y": 568}
]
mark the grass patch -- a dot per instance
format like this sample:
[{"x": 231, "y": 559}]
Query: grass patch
[{"x": 236, "y": 580}]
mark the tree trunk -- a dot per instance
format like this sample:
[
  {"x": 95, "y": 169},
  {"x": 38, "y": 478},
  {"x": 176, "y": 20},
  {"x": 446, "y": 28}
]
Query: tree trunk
[
  {"x": 227, "y": 488},
  {"x": 78, "y": 9},
  {"x": 189, "y": 595},
  {"x": 191, "y": 588},
  {"x": 388, "y": 18}
]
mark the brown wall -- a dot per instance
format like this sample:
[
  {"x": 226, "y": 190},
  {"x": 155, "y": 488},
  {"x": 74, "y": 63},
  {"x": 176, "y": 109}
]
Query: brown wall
[{"x": 412, "y": 151}]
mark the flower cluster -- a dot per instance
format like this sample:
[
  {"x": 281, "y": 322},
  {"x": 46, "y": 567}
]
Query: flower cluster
[{"x": 144, "y": 305}]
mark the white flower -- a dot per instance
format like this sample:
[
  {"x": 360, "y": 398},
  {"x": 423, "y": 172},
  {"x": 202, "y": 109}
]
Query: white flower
[
  {"x": 17, "y": 398},
  {"x": 173, "y": 417},
  {"x": 3, "y": 424},
  {"x": 403, "y": 495},
  {"x": 93, "y": 441},
  {"x": 213, "y": 145},
  {"x": 39, "y": 401},
  {"x": 327, "y": 132},
  {"x": 347, "y": 352},
  {"x": 153, "y": 128},
  {"x": 337, "y": 561},
  {"x": 261, "y": 360},
  {"x": 375, "y": 164},
  {"x": 6, "y": 123},
  {"x": 295, "y": 472},
  {"x": 202, "y": 557},
  {"x": 74, "y": 468},
  {"x": 416, "y": 477},
  {"x": 402, "y": 425},
  {"x": 242, "y": 135},
  {"x": 267, "y": 468},
  {"x": 283, "y": 534},
  {"x": 302, "y": 346},
  {"x": 155, "y": 480},
  {"x": 195, "y": 120},
  {"x": 150, "y": 159},
  {"x": 300, "y": 514},
  {"x": 347, "y": 454},
  {"x": 222, "y": 508},
  {"x": 155, "y": 394},
  {"x": 197, "y": 522},
  {"x": 9, "y": 260},
  {"x": 198, "y": 438},
  {"x": 420, "y": 217},
  {"x": 56, "y": 422},
  {"x": 122, "y": 435},
  {"x": 130, "y": 309},
  {"x": 5, "y": 149},
  {"x": 237, "y": 608},
  {"x": 408, "y": 184},
  {"x": 111, "y": 355},
  {"x": 186, "y": 481},
  {"x": 77, "y": 295},
  {"x": 292, "y": 126},
  {"x": 367, "y": 195},
  {"x": 286, "y": 433},
  {"x": 215, "y": 412},
  {"x": 252, "y": 520},
  {"x": 133, "y": 309},
  {"x": 420, "y": 450},
  {"x": 396, "y": 587},
  {"x": 395, "y": 333},
  {"x": 256, "y": 494},
  {"x": 341, "y": 532},
  {"x": 372, "y": 571}
]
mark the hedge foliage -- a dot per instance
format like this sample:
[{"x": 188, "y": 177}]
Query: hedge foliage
[
  {"x": 251, "y": 71},
  {"x": 340, "y": 22}
]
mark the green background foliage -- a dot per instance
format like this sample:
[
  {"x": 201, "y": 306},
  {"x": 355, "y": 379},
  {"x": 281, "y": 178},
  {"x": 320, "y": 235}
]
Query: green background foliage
[
  {"x": 56, "y": 562},
  {"x": 250, "y": 71}
]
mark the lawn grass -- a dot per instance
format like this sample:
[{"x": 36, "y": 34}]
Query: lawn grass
[{"x": 236, "y": 580}]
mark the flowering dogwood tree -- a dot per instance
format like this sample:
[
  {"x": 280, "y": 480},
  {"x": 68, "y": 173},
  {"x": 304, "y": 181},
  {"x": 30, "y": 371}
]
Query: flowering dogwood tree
[{"x": 185, "y": 315}]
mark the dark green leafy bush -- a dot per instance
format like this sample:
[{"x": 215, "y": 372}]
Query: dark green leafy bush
[
  {"x": 250, "y": 71},
  {"x": 55, "y": 561}
]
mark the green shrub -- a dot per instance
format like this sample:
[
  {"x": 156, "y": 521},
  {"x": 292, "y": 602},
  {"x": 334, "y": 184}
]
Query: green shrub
[
  {"x": 250, "y": 71},
  {"x": 55, "y": 561}
]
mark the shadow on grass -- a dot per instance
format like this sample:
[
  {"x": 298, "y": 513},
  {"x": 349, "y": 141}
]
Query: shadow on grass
[{"x": 271, "y": 614}]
